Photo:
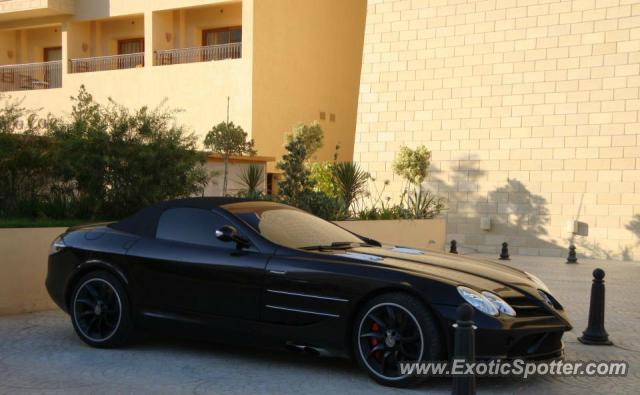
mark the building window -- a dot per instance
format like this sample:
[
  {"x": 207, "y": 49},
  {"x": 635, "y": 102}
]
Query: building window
[
  {"x": 226, "y": 41},
  {"x": 129, "y": 46},
  {"x": 52, "y": 53},
  {"x": 225, "y": 35}
]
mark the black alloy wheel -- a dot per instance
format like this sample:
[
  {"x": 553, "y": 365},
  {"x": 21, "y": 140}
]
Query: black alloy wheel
[
  {"x": 392, "y": 329},
  {"x": 99, "y": 310}
]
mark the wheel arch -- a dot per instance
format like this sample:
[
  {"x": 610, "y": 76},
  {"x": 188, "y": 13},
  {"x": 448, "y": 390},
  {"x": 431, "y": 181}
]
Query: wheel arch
[
  {"x": 89, "y": 266},
  {"x": 385, "y": 290}
]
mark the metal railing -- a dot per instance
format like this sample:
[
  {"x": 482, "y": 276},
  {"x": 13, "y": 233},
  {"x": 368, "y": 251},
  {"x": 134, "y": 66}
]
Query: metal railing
[
  {"x": 103, "y": 63},
  {"x": 29, "y": 76},
  {"x": 197, "y": 54}
]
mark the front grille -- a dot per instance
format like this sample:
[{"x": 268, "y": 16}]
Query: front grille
[{"x": 526, "y": 306}]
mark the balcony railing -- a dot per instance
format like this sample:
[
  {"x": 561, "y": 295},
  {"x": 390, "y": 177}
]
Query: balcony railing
[
  {"x": 103, "y": 63},
  {"x": 28, "y": 76},
  {"x": 198, "y": 54}
]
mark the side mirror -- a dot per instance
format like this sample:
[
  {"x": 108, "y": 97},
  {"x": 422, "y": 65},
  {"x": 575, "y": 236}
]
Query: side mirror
[{"x": 228, "y": 233}]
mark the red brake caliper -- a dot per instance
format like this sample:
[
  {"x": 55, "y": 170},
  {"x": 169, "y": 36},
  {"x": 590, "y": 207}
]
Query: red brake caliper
[{"x": 374, "y": 341}]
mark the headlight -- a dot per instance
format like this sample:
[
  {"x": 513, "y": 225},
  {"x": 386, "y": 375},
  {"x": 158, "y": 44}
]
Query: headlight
[
  {"x": 57, "y": 245},
  {"x": 500, "y": 304},
  {"x": 478, "y": 301},
  {"x": 538, "y": 282}
]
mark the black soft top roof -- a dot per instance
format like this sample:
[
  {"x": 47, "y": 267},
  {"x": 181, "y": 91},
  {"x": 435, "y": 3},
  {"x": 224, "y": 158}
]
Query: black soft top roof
[{"x": 145, "y": 221}]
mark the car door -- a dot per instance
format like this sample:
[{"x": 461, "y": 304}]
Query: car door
[
  {"x": 303, "y": 290},
  {"x": 185, "y": 269}
]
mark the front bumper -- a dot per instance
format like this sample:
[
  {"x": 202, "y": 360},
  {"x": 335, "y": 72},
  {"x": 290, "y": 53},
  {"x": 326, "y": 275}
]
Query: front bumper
[
  {"x": 530, "y": 338},
  {"x": 524, "y": 344}
]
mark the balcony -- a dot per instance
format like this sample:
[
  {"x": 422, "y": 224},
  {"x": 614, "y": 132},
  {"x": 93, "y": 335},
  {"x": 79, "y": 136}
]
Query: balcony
[
  {"x": 206, "y": 53},
  {"x": 30, "y": 76},
  {"x": 110, "y": 44},
  {"x": 104, "y": 63},
  {"x": 197, "y": 34}
]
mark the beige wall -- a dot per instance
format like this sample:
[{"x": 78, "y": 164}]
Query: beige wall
[
  {"x": 23, "y": 269},
  {"x": 306, "y": 60},
  {"x": 8, "y": 47},
  {"x": 195, "y": 88},
  {"x": 420, "y": 233},
  {"x": 531, "y": 110}
]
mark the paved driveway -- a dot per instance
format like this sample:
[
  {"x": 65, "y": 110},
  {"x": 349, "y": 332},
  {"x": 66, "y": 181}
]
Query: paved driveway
[{"x": 39, "y": 353}]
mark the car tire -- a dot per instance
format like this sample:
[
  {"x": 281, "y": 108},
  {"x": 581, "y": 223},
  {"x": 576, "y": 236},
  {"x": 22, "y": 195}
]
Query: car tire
[
  {"x": 392, "y": 328},
  {"x": 100, "y": 310}
]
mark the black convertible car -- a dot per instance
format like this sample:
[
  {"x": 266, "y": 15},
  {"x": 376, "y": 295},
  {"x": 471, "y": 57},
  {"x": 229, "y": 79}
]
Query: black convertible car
[{"x": 229, "y": 268}]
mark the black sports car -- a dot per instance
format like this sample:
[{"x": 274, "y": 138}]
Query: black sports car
[{"x": 231, "y": 268}]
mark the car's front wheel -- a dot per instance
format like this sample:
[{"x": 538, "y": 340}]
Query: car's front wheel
[
  {"x": 100, "y": 310},
  {"x": 394, "y": 328}
]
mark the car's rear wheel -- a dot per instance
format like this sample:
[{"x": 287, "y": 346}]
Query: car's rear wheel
[
  {"x": 100, "y": 310},
  {"x": 394, "y": 328}
]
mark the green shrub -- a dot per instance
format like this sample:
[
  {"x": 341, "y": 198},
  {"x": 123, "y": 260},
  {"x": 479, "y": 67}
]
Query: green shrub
[
  {"x": 25, "y": 163},
  {"x": 119, "y": 160},
  {"x": 321, "y": 174},
  {"x": 104, "y": 161}
]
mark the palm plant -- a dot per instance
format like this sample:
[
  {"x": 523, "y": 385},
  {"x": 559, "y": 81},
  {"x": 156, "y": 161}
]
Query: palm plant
[
  {"x": 350, "y": 180},
  {"x": 251, "y": 179}
]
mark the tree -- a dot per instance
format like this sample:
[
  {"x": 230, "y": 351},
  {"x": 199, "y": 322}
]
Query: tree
[
  {"x": 310, "y": 135},
  {"x": 412, "y": 165},
  {"x": 228, "y": 139},
  {"x": 296, "y": 175}
]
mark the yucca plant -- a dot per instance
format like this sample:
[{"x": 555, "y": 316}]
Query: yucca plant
[
  {"x": 350, "y": 180},
  {"x": 423, "y": 204},
  {"x": 251, "y": 179}
]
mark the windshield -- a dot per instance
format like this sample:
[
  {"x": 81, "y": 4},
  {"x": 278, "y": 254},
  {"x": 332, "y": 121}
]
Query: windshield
[{"x": 290, "y": 227}]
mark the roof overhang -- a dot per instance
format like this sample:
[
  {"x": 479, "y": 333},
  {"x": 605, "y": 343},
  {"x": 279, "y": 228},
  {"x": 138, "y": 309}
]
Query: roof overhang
[
  {"x": 28, "y": 9},
  {"x": 241, "y": 159}
]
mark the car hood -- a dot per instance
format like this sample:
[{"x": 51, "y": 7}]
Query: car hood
[{"x": 453, "y": 268}]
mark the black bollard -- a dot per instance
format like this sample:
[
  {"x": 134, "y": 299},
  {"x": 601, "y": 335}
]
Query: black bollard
[
  {"x": 595, "y": 333},
  {"x": 464, "y": 348},
  {"x": 572, "y": 258},
  {"x": 454, "y": 247},
  {"x": 504, "y": 254}
]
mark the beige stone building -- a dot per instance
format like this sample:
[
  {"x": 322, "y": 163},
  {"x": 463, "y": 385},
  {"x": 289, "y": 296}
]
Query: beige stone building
[
  {"x": 530, "y": 107},
  {"x": 281, "y": 62}
]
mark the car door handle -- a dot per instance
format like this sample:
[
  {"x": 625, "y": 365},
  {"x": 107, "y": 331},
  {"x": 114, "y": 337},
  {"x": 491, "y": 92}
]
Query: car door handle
[{"x": 280, "y": 272}]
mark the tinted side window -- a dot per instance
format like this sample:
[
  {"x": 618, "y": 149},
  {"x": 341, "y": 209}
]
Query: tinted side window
[{"x": 191, "y": 225}]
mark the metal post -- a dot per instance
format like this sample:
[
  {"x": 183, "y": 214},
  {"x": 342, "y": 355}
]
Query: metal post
[
  {"x": 464, "y": 348},
  {"x": 504, "y": 254},
  {"x": 572, "y": 258},
  {"x": 454, "y": 247},
  {"x": 595, "y": 333}
]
